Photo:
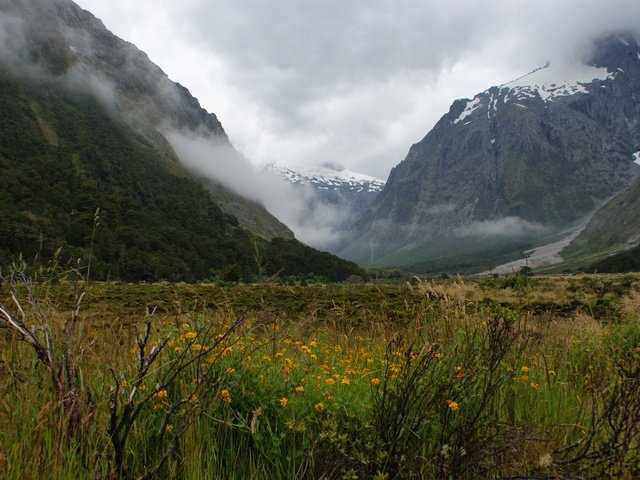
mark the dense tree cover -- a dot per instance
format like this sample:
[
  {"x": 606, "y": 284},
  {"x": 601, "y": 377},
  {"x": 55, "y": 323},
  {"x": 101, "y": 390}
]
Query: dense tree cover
[
  {"x": 63, "y": 156},
  {"x": 628, "y": 261},
  {"x": 293, "y": 258}
]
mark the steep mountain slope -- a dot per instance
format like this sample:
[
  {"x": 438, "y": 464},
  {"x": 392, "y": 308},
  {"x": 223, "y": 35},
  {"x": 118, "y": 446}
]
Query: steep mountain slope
[
  {"x": 81, "y": 129},
  {"x": 510, "y": 167},
  {"x": 614, "y": 228},
  {"x": 333, "y": 185},
  {"x": 57, "y": 40}
]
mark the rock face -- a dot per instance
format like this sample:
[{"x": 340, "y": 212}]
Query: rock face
[
  {"x": 61, "y": 42},
  {"x": 514, "y": 164}
]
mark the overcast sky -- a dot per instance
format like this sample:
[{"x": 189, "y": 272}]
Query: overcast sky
[{"x": 353, "y": 82}]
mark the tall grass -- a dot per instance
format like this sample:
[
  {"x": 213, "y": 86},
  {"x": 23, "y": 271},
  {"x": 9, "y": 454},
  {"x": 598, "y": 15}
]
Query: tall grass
[{"x": 418, "y": 381}]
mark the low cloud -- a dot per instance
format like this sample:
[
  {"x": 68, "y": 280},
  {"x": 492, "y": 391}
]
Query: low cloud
[
  {"x": 442, "y": 209},
  {"x": 314, "y": 222},
  {"x": 20, "y": 45},
  {"x": 501, "y": 227}
]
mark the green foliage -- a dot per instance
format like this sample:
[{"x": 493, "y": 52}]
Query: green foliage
[
  {"x": 293, "y": 258},
  {"x": 628, "y": 261}
]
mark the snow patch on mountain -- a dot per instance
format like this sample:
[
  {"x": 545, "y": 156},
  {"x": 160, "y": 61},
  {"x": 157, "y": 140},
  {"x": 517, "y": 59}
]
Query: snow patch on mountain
[
  {"x": 636, "y": 157},
  {"x": 472, "y": 105},
  {"x": 547, "y": 83},
  {"x": 553, "y": 81},
  {"x": 328, "y": 178}
]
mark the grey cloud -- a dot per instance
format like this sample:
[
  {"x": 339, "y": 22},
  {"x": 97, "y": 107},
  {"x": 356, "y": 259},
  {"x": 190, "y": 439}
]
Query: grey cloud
[
  {"x": 12, "y": 39},
  {"x": 14, "y": 52}
]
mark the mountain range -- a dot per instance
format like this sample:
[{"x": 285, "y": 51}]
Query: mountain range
[{"x": 517, "y": 166}]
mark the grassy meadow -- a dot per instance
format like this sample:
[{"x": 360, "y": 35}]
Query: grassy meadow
[{"x": 507, "y": 377}]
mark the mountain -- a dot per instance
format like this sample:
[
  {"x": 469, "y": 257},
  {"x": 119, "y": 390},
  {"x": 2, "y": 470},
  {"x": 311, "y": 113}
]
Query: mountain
[
  {"x": 511, "y": 168},
  {"x": 613, "y": 229},
  {"x": 334, "y": 185},
  {"x": 87, "y": 163}
]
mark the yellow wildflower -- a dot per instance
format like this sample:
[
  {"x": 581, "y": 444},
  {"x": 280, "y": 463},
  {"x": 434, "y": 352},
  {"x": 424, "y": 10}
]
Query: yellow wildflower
[
  {"x": 226, "y": 396},
  {"x": 299, "y": 389},
  {"x": 375, "y": 381},
  {"x": 230, "y": 370},
  {"x": 161, "y": 394},
  {"x": 284, "y": 401},
  {"x": 453, "y": 405},
  {"x": 534, "y": 386},
  {"x": 330, "y": 381},
  {"x": 345, "y": 381},
  {"x": 524, "y": 369},
  {"x": 319, "y": 406},
  {"x": 169, "y": 427},
  {"x": 190, "y": 335}
]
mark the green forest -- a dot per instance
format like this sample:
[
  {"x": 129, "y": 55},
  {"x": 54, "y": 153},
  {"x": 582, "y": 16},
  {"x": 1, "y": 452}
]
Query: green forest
[{"x": 75, "y": 179}]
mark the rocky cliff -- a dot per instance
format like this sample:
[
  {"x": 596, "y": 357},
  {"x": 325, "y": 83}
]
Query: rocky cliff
[{"x": 511, "y": 166}]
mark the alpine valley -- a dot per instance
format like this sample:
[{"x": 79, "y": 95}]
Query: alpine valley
[
  {"x": 89, "y": 169},
  {"x": 522, "y": 165}
]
